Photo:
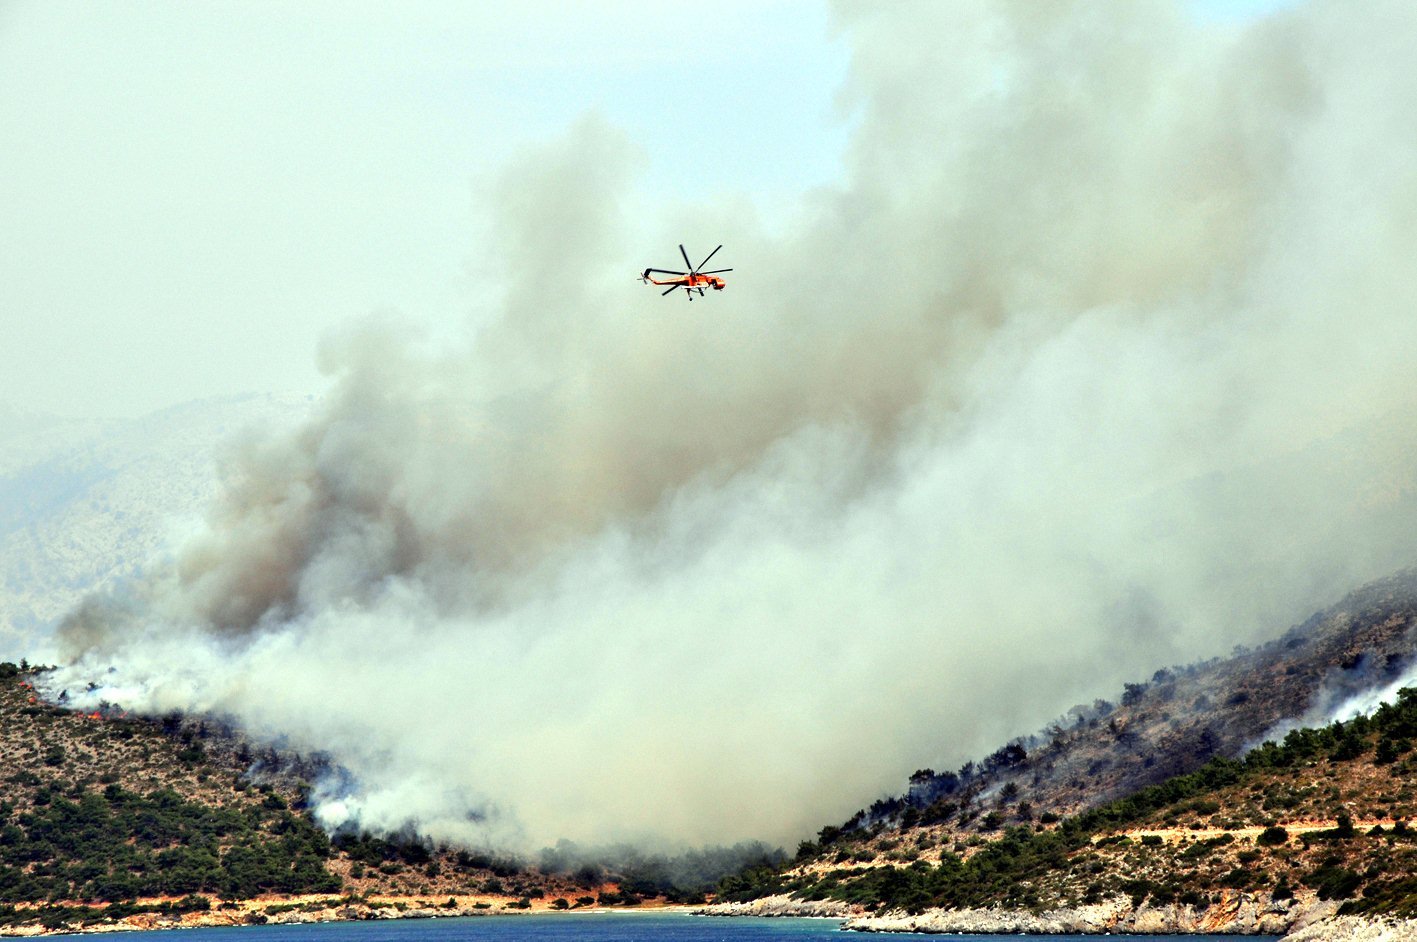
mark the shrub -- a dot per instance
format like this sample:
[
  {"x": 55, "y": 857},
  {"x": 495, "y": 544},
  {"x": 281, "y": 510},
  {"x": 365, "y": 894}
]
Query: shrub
[
  {"x": 1273, "y": 836},
  {"x": 1335, "y": 882},
  {"x": 1237, "y": 878},
  {"x": 1390, "y": 750}
]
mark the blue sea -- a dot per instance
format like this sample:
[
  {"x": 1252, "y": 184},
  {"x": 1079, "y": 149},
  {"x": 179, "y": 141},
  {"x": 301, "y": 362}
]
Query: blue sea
[{"x": 589, "y": 927}]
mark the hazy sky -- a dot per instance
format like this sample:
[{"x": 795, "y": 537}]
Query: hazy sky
[{"x": 192, "y": 194}]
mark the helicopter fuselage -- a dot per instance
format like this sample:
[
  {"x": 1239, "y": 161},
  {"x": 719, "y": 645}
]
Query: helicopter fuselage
[
  {"x": 688, "y": 281},
  {"x": 691, "y": 280}
]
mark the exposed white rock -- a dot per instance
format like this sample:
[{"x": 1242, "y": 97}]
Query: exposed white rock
[
  {"x": 781, "y": 905},
  {"x": 1237, "y": 913},
  {"x": 1355, "y": 929}
]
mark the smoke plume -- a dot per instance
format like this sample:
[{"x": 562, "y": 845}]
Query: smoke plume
[{"x": 1098, "y": 359}]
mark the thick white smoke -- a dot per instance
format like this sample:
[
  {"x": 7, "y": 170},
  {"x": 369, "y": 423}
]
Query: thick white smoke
[{"x": 1099, "y": 360}]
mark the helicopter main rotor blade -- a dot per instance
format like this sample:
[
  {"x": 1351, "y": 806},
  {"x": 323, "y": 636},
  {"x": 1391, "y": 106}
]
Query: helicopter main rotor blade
[
  {"x": 716, "y": 271},
  {"x": 706, "y": 259},
  {"x": 686, "y": 258},
  {"x": 671, "y": 288},
  {"x": 665, "y": 271}
]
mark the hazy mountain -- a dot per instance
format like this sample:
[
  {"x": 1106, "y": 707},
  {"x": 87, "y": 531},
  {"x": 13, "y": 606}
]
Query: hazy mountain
[{"x": 84, "y": 503}]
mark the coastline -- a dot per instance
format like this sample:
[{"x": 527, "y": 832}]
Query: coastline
[
  {"x": 1240, "y": 915},
  {"x": 1307, "y": 920},
  {"x": 293, "y": 910}
]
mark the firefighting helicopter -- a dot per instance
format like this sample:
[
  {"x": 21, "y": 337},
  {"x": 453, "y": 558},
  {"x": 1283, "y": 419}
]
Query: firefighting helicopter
[{"x": 691, "y": 280}]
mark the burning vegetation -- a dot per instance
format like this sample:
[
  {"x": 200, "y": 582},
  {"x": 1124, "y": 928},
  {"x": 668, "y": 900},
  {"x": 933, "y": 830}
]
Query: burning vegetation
[
  {"x": 1167, "y": 726},
  {"x": 107, "y": 817},
  {"x": 1313, "y": 814}
]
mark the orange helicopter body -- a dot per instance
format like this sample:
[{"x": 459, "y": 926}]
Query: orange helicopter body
[{"x": 691, "y": 280}]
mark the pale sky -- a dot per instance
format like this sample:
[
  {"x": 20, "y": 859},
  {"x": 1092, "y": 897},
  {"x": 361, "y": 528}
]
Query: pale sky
[{"x": 191, "y": 194}]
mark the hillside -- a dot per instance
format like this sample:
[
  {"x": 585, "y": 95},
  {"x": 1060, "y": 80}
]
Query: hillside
[
  {"x": 1314, "y": 826},
  {"x": 1154, "y": 815},
  {"x": 1170, "y": 724},
  {"x": 107, "y": 818}
]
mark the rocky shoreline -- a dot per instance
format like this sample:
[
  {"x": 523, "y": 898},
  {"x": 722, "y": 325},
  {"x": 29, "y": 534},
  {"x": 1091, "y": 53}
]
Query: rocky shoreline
[
  {"x": 1355, "y": 929},
  {"x": 1237, "y": 914},
  {"x": 782, "y": 905},
  {"x": 1308, "y": 920}
]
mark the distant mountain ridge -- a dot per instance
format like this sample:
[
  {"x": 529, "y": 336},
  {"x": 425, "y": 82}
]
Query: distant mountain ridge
[{"x": 85, "y": 504}]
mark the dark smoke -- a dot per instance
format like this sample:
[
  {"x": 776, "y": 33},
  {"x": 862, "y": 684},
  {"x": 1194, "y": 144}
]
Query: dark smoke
[{"x": 1098, "y": 360}]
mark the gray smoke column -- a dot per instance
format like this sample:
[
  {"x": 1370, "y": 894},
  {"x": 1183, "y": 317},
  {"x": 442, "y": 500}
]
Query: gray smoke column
[{"x": 1099, "y": 360}]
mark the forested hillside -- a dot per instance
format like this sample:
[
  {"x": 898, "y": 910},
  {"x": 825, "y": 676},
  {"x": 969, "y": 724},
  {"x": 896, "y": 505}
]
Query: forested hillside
[
  {"x": 1169, "y": 724},
  {"x": 1326, "y": 812},
  {"x": 1322, "y": 812},
  {"x": 108, "y": 817}
]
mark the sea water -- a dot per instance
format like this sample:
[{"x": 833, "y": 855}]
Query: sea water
[{"x": 591, "y": 927}]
